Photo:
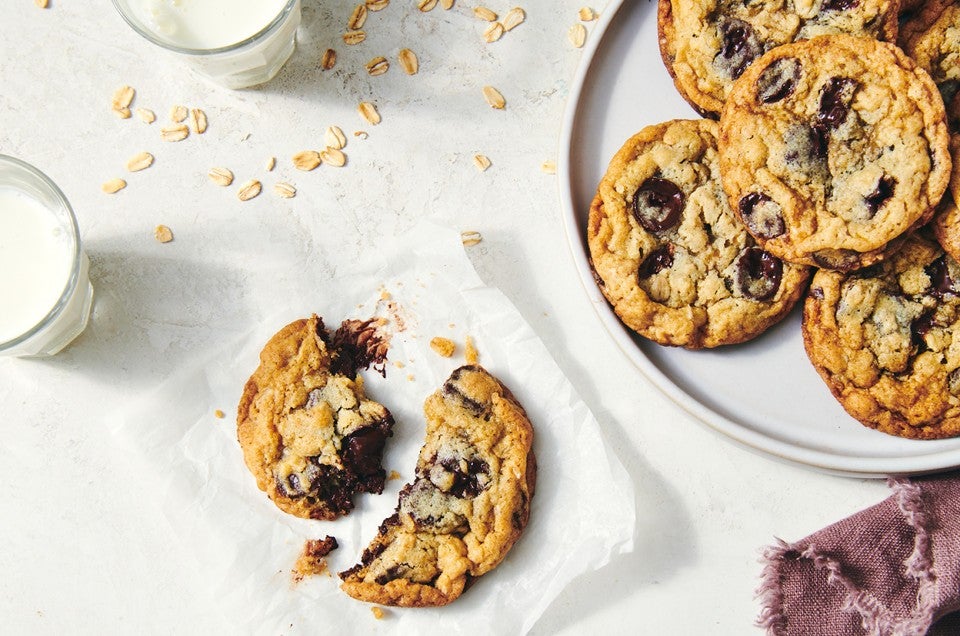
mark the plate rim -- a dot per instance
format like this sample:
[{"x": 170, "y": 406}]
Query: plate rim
[{"x": 833, "y": 463}]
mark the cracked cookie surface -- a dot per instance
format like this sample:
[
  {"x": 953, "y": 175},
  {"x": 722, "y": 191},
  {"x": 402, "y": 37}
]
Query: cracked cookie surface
[
  {"x": 839, "y": 142},
  {"x": 669, "y": 255},
  {"x": 707, "y": 44},
  {"x": 310, "y": 437},
  {"x": 469, "y": 502},
  {"x": 886, "y": 340}
]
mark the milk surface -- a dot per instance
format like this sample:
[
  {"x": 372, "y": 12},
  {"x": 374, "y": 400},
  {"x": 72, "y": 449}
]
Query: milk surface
[
  {"x": 206, "y": 24},
  {"x": 36, "y": 257}
]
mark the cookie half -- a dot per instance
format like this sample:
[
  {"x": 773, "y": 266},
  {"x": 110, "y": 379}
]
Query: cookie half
[
  {"x": 670, "y": 256},
  {"x": 466, "y": 508},
  {"x": 833, "y": 149},
  {"x": 707, "y": 44},
  {"x": 310, "y": 437},
  {"x": 884, "y": 340}
]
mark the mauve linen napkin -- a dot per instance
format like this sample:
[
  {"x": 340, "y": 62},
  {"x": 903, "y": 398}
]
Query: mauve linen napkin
[{"x": 890, "y": 570}]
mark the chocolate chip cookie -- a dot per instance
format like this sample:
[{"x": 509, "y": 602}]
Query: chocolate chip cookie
[
  {"x": 932, "y": 39},
  {"x": 884, "y": 340},
  {"x": 310, "y": 436},
  {"x": 833, "y": 149},
  {"x": 466, "y": 508},
  {"x": 676, "y": 264},
  {"x": 706, "y": 45}
]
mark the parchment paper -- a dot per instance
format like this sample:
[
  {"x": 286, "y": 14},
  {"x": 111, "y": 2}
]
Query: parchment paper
[{"x": 582, "y": 514}]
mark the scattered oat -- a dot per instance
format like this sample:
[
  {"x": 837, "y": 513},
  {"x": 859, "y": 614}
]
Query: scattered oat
[
  {"x": 408, "y": 60},
  {"x": 139, "y": 162},
  {"x": 122, "y": 113},
  {"x": 362, "y": 134},
  {"x": 494, "y": 98},
  {"x": 178, "y": 114},
  {"x": 43, "y": 4},
  {"x": 163, "y": 234},
  {"x": 493, "y": 32},
  {"x": 174, "y": 133},
  {"x": 146, "y": 115},
  {"x": 377, "y": 5},
  {"x": 548, "y": 167},
  {"x": 485, "y": 14},
  {"x": 426, "y": 5},
  {"x": 354, "y": 37},
  {"x": 113, "y": 185},
  {"x": 482, "y": 162},
  {"x": 335, "y": 138},
  {"x": 577, "y": 35},
  {"x": 271, "y": 164},
  {"x": 377, "y": 612},
  {"x": 123, "y": 97},
  {"x": 587, "y": 14},
  {"x": 249, "y": 190},
  {"x": 306, "y": 160},
  {"x": 378, "y": 66},
  {"x": 446, "y": 4},
  {"x": 219, "y": 414},
  {"x": 470, "y": 238},
  {"x": 470, "y": 353},
  {"x": 285, "y": 190},
  {"x": 198, "y": 119},
  {"x": 333, "y": 157},
  {"x": 369, "y": 112},
  {"x": 513, "y": 19},
  {"x": 329, "y": 59},
  {"x": 357, "y": 18},
  {"x": 220, "y": 176},
  {"x": 443, "y": 346}
]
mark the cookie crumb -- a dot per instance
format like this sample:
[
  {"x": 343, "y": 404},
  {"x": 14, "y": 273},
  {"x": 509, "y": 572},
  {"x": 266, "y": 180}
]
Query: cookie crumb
[
  {"x": 470, "y": 353},
  {"x": 443, "y": 346},
  {"x": 219, "y": 414},
  {"x": 377, "y": 612},
  {"x": 394, "y": 475},
  {"x": 312, "y": 560},
  {"x": 163, "y": 234}
]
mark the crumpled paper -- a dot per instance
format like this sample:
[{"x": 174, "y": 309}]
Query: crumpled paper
[{"x": 582, "y": 513}]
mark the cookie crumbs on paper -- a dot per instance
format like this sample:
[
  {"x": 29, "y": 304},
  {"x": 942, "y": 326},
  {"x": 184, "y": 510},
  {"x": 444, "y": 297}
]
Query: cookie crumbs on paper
[
  {"x": 443, "y": 346},
  {"x": 312, "y": 560}
]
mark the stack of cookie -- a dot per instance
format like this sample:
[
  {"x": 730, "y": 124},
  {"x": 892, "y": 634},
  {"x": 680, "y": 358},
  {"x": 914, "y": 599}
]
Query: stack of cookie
[{"x": 830, "y": 158}]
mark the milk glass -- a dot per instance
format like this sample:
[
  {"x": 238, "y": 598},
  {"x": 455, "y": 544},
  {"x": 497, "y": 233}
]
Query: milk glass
[
  {"x": 45, "y": 290},
  {"x": 235, "y": 43}
]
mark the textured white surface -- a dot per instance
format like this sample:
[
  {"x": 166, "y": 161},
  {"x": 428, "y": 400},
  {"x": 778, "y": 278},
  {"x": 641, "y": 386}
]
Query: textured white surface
[{"x": 86, "y": 548}]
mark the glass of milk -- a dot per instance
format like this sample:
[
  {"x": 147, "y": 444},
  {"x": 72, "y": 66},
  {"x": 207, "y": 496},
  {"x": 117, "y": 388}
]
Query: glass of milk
[
  {"x": 45, "y": 290},
  {"x": 235, "y": 43}
]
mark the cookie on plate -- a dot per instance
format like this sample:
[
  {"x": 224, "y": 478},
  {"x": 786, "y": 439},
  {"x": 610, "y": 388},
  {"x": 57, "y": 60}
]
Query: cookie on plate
[
  {"x": 884, "y": 340},
  {"x": 833, "y": 149},
  {"x": 310, "y": 437},
  {"x": 468, "y": 505},
  {"x": 676, "y": 264},
  {"x": 706, "y": 45}
]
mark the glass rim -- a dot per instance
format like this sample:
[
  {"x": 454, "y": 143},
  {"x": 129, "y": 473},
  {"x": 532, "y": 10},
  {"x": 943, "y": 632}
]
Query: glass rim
[
  {"x": 122, "y": 8},
  {"x": 71, "y": 285}
]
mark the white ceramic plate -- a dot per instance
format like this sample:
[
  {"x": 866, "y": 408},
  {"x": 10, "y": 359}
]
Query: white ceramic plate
[{"x": 764, "y": 394}]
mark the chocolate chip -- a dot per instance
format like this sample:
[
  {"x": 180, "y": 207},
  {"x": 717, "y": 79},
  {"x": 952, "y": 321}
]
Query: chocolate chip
[
  {"x": 465, "y": 485},
  {"x": 659, "y": 259},
  {"x": 658, "y": 204},
  {"x": 817, "y": 293},
  {"x": 362, "y": 451},
  {"x": 835, "y": 98},
  {"x": 838, "y": 5},
  {"x": 391, "y": 573},
  {"x": 739, "y": 47},
  {"x": 451, "y": 390},
  {"x": 758, "y": 273},
  {"x": 840, "y": 260},
  {"x": 941, "y": 283},
  {"x": 953, "y": 382},
  {"x": 880, "y": 194},
  {"x": 778, "y": 80},
  {"x": 921, "y": 326},
  {"x": 762, "y": 215}
]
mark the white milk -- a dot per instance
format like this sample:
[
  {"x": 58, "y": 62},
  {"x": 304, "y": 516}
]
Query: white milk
[
  {"x": 36, "y": 261},
  {"x": 207, "y": 24}
]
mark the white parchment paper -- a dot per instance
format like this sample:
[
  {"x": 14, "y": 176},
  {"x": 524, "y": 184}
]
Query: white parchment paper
[{"x": 582, "y": 513}]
